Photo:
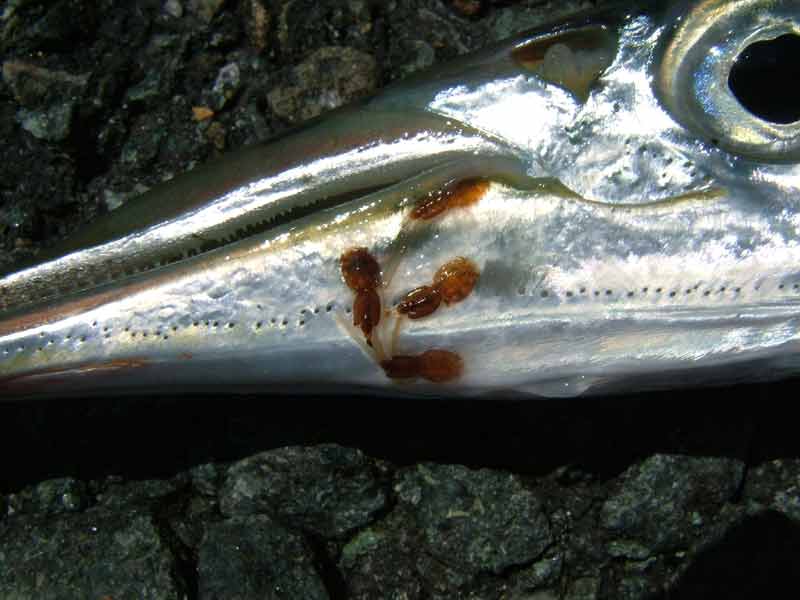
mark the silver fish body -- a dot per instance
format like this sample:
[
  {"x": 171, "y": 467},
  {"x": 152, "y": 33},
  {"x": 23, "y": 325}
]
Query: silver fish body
[{"x": 634, "y": 226}]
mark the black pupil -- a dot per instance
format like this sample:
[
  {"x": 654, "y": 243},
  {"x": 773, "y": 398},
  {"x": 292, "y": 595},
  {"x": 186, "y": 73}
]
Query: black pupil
[{"x": 766, "y": 79}]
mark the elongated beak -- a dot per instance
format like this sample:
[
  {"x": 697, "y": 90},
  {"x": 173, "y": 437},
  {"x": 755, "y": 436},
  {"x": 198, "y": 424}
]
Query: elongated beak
[
  {"x": 477, "y": 117},
  {"x": 472, "y": 120}
]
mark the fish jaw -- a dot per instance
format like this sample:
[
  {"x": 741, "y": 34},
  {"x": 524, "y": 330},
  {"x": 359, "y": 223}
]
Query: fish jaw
[{"x": 617, "y": 248}]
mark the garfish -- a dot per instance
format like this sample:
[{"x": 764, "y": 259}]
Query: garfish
[{"x": 595, "y": 206}]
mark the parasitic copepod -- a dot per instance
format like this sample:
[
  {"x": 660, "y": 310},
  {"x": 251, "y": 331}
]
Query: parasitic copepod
[{"x": 598, "y": 205}]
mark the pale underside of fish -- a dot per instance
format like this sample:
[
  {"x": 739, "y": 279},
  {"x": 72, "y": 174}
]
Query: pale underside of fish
[{"x": 630, "y": 224}]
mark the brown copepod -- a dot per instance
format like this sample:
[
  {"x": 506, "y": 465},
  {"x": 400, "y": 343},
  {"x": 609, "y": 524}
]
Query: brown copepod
[
  {"x": 362, "y": 274},
  {"x": 453, "y": 194},
  {"x": 360, "y": 270},
  {"x": 452, "y": 283},
  {"x": 435, "y": 365},
  {"x": 420, "y": 302}
]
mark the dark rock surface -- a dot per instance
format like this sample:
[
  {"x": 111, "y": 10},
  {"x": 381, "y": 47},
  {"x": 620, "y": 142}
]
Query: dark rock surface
[
  {"x": 328, "y": 493},
  {"x": 474, "y": 521},
  {"x": 675, "y": 495},
  {"x": 98, "y": 553},
  {"x": 651, "y": 496},
  {"x": 256, "y": 557}
]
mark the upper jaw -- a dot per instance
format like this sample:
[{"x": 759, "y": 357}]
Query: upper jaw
[{"x": 458, "y": 116}]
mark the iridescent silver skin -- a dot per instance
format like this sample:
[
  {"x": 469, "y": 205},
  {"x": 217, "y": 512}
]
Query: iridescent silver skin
[{"x": 641, "y": 230}]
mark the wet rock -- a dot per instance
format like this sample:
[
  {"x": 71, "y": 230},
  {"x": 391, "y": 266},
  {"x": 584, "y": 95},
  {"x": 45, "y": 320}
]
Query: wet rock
[
  {"x": 667, "y": 501},
  {"x": 216, "y": 134},
  {"x": 148, "y": 89},
  {"x": 327, "y": 490},
  {"x": 774, "y": 485},
  {"x": 161, "y": 143},
  {"x": 422, "y": 55},
  {"x": 144, "y": 142},
  {"x": 257, "y": 23},
  {"x": 50, "y": 26},
  {"x": 540, "y": 576},
  {"x": 756, "y": 559},
  {"x": 526, "y": 15},
  {"x": 383, "y": 559},
  {"x": 154, "y": 80},
  {"x": 52, "y": 124},
  {"x": 204, "y": 9},
  {"x": 468, "y": 8},
  {"x": 304, "y": 26},
  {"x": 113, "y": 199},
  {"x": 477, "y": 521},
  {"x": 65, "y": 21},
  {"x": 207, "y": 478},
  {"x": 189, "y": 516},
  {"x": 34, "y": 86},
  {"x": 95, "y": 554},
  {"x": 227, "y": 84},
  {"x": 121, "y": 494},
  {"x": 628, "y": 549},
  {"x": 255, "y": 557},
  {"x": 48, "y": 98},
  {"x": 111, "y": 136},
  {"x": 32, "y": 207},
  {"x": 426, "y": 33},
  {"x": 50, "y": 497},
  {"x": 391, "y": 559},
  {"x": 583, "y": 588},
  {"x": 331, "y": 77},
  {"x": 450, "y": 533},
  {"x": 183, "y": 147},
  {"x": 173, "y": 8},
  {"x": 635, "y": 586},
  {"x": 226, "y": 33}
]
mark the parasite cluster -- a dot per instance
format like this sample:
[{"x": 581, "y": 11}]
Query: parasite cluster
[{"x": 453, "y": 282}]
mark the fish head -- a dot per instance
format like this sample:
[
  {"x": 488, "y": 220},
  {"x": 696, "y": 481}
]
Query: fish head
[
  {"x": 672, "y": 131},
  {"x": 672, "y": 146},
  {"x": 639, "y": 105}
]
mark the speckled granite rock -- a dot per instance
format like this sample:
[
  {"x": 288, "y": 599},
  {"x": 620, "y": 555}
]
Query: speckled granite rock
[
  {"x": 662, "y": 501},
  {"x": 680, "y": 496},
  {"x": 49, "y": 497},
  {"x": 94, "y": 554},
  {"x": 326, "y": 522},
  {"x": 453, "y": 531},
  {"x": 255, "y": 557},
  {"x": 775, "y": 486},
  {"x": 327, "y": 491},
  {"x": 329, "y": 78},
  {"x": 475, "y": 521}
]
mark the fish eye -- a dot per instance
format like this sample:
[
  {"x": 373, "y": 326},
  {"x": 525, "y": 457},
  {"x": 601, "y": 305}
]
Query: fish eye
[
  {"x": 764, "y": 79},
  {"x": 728, "y": 72}
]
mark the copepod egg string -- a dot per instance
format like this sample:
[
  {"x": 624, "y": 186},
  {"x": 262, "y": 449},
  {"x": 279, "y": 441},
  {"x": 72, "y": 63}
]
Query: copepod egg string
[
  {"x": 398, "y": 324},
  {"x": 396, "y": 251}
]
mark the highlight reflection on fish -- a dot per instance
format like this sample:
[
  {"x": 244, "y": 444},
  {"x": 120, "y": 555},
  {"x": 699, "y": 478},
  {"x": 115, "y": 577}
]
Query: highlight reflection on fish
[{"x": 591, "y": 207}]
